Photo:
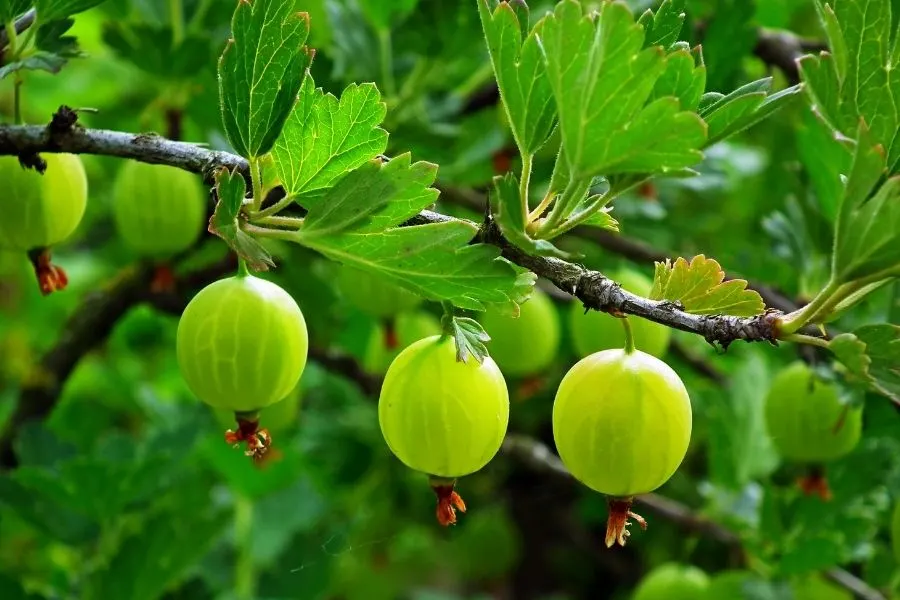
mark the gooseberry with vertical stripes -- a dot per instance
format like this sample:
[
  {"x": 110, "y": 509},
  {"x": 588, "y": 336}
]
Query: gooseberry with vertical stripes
[
  {"x": 159, "y": 210},
  {"x": 242, "y": 344}
]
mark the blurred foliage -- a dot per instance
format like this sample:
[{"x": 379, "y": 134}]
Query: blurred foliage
[{"x": 127, "y": 490}]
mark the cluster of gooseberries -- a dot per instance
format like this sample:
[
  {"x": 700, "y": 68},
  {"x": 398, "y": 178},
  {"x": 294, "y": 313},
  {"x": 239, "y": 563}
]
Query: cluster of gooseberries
[{"x": 621, "y": 417}]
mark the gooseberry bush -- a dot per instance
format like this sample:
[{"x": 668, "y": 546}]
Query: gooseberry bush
[{"x": 474, "y": 240}]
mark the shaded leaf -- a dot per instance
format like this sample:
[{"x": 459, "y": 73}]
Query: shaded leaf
[
  {"x": 10, "y": 9},
  {"x": 39, "y": 61},
  {"x": 324, "y": 137},
  {"x": 382, "y": 14},
  {"x": 700, "y": 287},
  {"x": 663, "y": 26},
  {"x": 508, "y": 211},
  {"x": 520, "y": 72},
  {"x": 231, "y": 189},
  {"x": 371, "y": 198},
  {"x": 150, "y": 47},
  {"x": 260, "y": 73},
  {"x": 602, "y": 77},
  {"x": 51, "y": 10},
  {"x": 871, "y": 355},
  {"x": 470, "y": 338},
  {"x": 867, "y": 232},
  {"x": 742, "y": 108}
]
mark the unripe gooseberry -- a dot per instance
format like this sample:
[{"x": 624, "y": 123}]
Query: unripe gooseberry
[
  {"x": 441, "y": 416},
  {"x": 526, "y": 344},
  {"x": 595, "y": 330},
  {"x": 622, "y": 425},
  {"x": 806, "y": 419},
  {"x": 374, "y": 295},
  {"x": 816, "y": 587},
  {"x": 38, "y": 211},
  {"x": 159, "y": 210},
  {"x": 672, "y": 581},
  {"x": 407, "y": 328},
  {"x": 241, "y": 346}
]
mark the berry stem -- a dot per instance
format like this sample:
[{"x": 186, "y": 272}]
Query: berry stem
[
  {"x": 617, "y": 525},
  {"x": 629, "y": 336},
  {"x": 243, "y": 271},
  {"x": 448, "y": 501},
  {"x": 244, "y": 571}
]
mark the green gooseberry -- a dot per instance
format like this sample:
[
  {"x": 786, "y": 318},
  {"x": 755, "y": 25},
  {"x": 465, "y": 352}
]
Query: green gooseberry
[
  {"x": 526, "y": 344},
  {"x": 242, "y": 344},
  {"x": 159, "y": 210},
  {"x": 673, "y": 581}
]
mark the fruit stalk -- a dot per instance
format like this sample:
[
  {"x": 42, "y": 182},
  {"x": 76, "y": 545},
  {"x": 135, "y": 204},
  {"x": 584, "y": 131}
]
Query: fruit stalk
[
  {"x": 448, "y": 500},
  {"x": 617, "y": 525}
]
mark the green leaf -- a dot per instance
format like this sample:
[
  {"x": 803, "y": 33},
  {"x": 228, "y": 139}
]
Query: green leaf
[
  {"x": 728, "y": 39},
  {"x": 51, "y": 10},
  {"x": 371, "y": 198},
  {"x": 858, "y": 79},
  {"x": 176, "y": 539},
  {"x": 871, "y": 355},
  {"x": 260, "y": 73},
  {"x": 44, "y": 512},
  {"x": 663, "y": 26},
  {"x": 324, "y": 137},
  {"x": 470, "y": 338},
  {"x": 39, "y": 61},
  {"x": 521, "y": 74},
  {"x": 826, "y": 159},
  {"x": 700, "y": 288},
  {"x": 10, "y": 9},
  {"x": 225, "y": 221},
  {"x": 602, "y": 77},
  {"x": 508, "y": 211},
  {"x": 867, "y": 232},
  {"x": 742, "y": 108},
  {"x": 684, "y": 78},
  {"x": 151, "y": 48},
  {"x": 382, "y": 14},
  {"x": 435, "y": 260}
]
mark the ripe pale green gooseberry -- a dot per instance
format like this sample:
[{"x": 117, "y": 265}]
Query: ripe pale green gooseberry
[
  {"x": 443, "y": 417},
  {"x": 806, "y": 419},
  {"x": 595, "y": 330},
  {"x": 527, "y": 344},
  {"x": 41, "y": 210},
  {"x": 374, "y": 295},
  {"x": 159, "y": 210},
  {"x": 407, "y": 328},
  {"x": 673, "y": 581},
  {"x": 242, "y": 344},
  {"x": 622, "y": 425}
]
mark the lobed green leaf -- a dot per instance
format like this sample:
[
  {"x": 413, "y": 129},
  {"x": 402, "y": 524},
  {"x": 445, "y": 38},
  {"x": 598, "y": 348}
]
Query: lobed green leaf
[
  {"x": 520, "y": 72},
  {"x": 225, "y": 221},
  {"x": 260, "y": 73},
  {"x": 324, "y": 137},
  {"x": 871, "y": 355},
  {"x": 700, "y": 287},
  {"x": 508, "y": 211}
]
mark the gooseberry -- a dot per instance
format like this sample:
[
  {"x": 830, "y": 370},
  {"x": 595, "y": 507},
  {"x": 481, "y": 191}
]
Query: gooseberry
[
  {"x": 527, "y": 344},
  {"x": 672, "y": 581},
  {"x": 159, "y": 210},
  {"x": 242, "y": 346},
  {"x": 622, "y": 424},
  {"x": 373, "y": 295},
  {"x": 595, "y": 330},
  {"x": 384, "y": 346},
  {"x": 39, "y": 211},
  {"x": 443, "y": 417},
  {"x": 816, "y": 587},
  {"x": 809, "y": 423}
]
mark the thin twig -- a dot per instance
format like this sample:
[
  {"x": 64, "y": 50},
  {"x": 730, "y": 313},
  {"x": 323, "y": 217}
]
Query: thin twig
[
  {"x": 594, "y": 289},
  {"x": 22, "y": 23}
]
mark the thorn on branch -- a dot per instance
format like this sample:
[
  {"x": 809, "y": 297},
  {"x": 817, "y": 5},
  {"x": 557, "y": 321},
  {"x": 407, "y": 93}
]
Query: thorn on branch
[{"x": 63, "y": 121}]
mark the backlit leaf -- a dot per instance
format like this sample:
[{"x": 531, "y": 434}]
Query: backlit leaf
[{"x": 700, "y": 287}]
